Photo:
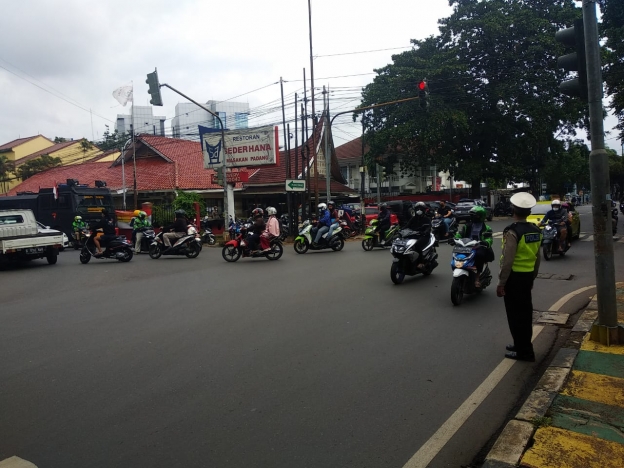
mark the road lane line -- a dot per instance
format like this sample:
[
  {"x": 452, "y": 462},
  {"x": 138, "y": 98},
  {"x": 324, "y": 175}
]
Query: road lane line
[
  {"x": 559, "y": 304},
  {"x": 432, "y": 447}
]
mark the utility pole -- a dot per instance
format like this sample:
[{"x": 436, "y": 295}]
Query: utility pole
[
  {"x": 304, "y": 167},
  {"x": 295, "y": 195},
  {"x": 316, "y": 178},
  {"x": 327, "y": 149},
  {"x": 378, "y": 171},
  {"x": 362, "y": 185},
  {"x": 286, "y": 131},
  {"x": 607, "y": 330}
]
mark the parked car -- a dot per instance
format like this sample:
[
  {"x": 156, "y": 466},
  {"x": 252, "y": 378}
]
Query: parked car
[
  {"x": 462, "y": 209},
  {"x": 372, "y": 211}
]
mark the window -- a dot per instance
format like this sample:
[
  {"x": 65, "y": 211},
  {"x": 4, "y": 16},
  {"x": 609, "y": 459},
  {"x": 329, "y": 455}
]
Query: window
[
  {"x": 222, "y": 116},
  {"x": 11, "y": 219},
  {"x": 242, "y": 120}
]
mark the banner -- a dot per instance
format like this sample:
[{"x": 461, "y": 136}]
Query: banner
[{"x": 243, "y": 148}]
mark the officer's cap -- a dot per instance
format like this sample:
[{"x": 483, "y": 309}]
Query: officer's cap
[{"x": 523, "y": 200}]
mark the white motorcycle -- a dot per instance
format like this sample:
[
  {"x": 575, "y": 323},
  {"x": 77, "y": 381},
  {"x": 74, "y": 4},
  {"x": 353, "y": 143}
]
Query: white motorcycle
[
  {"x": 406, "y": 258},
  {"x": 303, "y": 242}
]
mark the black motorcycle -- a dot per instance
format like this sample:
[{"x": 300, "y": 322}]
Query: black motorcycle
[
  {"x": 503, "y": 209},
  {"x": 407, "y": 258},
  {"x": 148, "y": 237},
  {"x": 117, "y": 249},
  {"x": 552, "y": 240},
  {"x": 189, "y": 245},
  {"x": 438, "y": 229},
  {"x": 79, "y": 238}
]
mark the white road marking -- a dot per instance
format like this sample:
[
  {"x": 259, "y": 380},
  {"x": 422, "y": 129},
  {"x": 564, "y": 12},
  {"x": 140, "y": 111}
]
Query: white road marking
[
  {"x": 588, "y": 239},
  {"x": 432, "y": 447},
  {"x": 16, "y": 462}
]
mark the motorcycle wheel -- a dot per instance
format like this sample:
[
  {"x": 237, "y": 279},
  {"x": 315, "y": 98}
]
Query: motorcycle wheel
[
  {"x": 155, "y": 251},
  {"x": 193, "y": 250},
  {"x": 301, "y": 247},
  {"x": 230, "y": 253},
  {"x": 457, "y": 290},
  {"x": 85, "y": 256},
  {"x": 367, "y": 244},
  {"x": 395, "y": 276},
  {"x": 337, "y": 246},
  {"x": 128, "y": 254},
  {"x": 547, "y": 250},
  {"x": 276, "y": 252}
]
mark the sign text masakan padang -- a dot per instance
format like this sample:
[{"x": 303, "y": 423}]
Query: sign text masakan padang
[{"x": 243, "y": 148}]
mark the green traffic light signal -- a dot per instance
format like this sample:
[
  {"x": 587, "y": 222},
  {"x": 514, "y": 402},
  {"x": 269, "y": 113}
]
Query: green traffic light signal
[
  {"x": 574, "y": 37},
  {"x": 154, "y": 88}
]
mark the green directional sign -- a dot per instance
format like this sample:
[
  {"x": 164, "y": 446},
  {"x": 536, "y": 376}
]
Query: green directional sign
[{"x": 295, "y": 185}]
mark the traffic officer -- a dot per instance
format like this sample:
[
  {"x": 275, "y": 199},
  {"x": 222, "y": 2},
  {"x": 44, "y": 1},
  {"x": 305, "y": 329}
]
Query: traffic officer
[{"x": 518, "y": 268}]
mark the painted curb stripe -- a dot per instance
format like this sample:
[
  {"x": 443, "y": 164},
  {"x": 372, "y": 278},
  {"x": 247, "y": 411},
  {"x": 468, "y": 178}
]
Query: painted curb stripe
[
  {"x": 595, "y": 387},
  {"x": 589, "y": 345},
  {"x": 559, "y": 304},
  {"x": 600, "y": 363}
]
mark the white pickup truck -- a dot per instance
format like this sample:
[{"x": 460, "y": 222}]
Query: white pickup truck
[{"x": 20, "y": 238}]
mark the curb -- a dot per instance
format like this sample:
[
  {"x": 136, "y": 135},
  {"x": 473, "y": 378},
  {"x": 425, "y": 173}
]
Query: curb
[{"x": 518, "y": 434}]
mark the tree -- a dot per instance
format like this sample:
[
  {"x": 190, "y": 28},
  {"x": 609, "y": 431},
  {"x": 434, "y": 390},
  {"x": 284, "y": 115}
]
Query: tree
[
  {"x": 612, "y": 31},
  {"x": 113, "y": 140},
  {"x": 6, "y": 168},
  {"x": 34, "y": 166},
  {"x": 86, "y": 146},
  {"x": 59, "y": 139},
  {"x": 185, "y": 201},
  {"x": 565, "y": 166},
  {"x": 494, "y": 90}
]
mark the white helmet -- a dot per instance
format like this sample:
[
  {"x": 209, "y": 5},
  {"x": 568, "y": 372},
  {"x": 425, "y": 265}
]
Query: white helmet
[
  {"x": 322, "y": 206},
  {"x": 271, "y": 211},
  {"x": 556, "y": 205}
]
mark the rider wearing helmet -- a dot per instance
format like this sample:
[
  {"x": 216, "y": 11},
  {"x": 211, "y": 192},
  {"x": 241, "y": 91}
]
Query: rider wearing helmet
[
  {"x": 180, "y": 225},
  {"x": 323, "y": 223},
  {"x": 475, "y": 229},
  {"x": 255, "y": 231},
  {"x": 77, "y": 226},
  {"x": 140, "y": 224},
  {"x": 107, "y": 225},
  {"x": 559, "y": 215},
  {"x": 334, "y": 219},
  {"x": 272, "y": 229},
  {"x": 421, "y": 223},
  {"x": 257, "y": 212},
  {"x": 383, "y": 222}
]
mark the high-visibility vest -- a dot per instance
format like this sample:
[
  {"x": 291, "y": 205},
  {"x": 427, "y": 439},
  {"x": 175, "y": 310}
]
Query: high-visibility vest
[{"x": 529, "y": 241}]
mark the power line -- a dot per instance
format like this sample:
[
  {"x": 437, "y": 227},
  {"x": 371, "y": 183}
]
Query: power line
[{"x": 362, "y": 52}]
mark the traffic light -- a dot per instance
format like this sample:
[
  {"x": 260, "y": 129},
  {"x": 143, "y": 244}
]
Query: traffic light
[
  {"x": 154, "y": 88},
  {"x": 423, "y": 94},
  {"x": 575, "y": 61}
]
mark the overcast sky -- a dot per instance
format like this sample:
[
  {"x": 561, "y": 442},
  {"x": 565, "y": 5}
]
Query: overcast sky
[{"x": 81, "y": 50}]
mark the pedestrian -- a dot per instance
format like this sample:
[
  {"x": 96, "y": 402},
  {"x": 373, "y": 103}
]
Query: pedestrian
[{"x": 519, "y": 266}]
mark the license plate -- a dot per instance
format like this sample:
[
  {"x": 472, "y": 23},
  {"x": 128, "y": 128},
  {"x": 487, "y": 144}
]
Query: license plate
[{"x": 35, "y": 250}]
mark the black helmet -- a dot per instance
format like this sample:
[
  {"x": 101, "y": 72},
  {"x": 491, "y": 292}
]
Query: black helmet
[
  {"x": 180, "y": 213},
  {"x": 383, "y": 206},
  {"x": 420, "y": 208}
]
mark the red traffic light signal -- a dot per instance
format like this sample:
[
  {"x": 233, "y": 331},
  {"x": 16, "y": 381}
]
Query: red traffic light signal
[{"x": 422, "y": 85}]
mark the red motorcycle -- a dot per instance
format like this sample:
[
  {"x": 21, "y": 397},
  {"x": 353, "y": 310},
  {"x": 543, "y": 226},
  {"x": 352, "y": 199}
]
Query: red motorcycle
[{"x": 239, "y": 247}]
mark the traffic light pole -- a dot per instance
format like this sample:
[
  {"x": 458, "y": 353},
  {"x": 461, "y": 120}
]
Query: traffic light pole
[
  {"x": 607, "y": 330},
  {"x": 225, "y": 184}
]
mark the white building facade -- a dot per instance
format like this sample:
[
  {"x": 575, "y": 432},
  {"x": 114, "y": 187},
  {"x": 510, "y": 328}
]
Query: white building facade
[
  {"x": 188, "y": 116},
  {"x": 144, "y": 122}
]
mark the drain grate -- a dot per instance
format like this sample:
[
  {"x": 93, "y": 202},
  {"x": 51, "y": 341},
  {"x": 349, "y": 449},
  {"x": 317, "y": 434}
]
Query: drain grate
[{"x": 552, "y": 276}]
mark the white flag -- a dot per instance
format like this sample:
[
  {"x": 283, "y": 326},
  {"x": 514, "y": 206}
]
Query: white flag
[{"x": 123, "y": 95}]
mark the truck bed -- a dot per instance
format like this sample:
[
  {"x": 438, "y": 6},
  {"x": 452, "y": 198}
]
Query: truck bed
[{"x": 29, "y": 242}]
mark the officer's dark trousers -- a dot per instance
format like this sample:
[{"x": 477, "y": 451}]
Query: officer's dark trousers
[{"x": 519, "y": 307}]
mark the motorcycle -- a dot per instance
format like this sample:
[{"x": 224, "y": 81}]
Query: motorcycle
[
  {"x": 503, "y": 209},
  {"x": 371, "y": 236},
  {"x": 303, "y": 242},
  {"x": 239, "y": 247},
  {"x": 346, "y": 229},
  {"x": 148, "y": 237},
  {"x": 189, "y": 245},
  {"x": 551, "y": 240},
  {"x": 208, "y": 237},
  {"x": 118, "y": 249},
  {"x": 80, "y": 237},
  {"x": 438, "y": 229},
  {"x": 406, "y": 258},
  {"x": 464, "y": 270}
]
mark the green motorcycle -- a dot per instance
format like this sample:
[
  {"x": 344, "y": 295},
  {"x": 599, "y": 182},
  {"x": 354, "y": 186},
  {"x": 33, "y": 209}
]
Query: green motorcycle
[{"x": 371, "y": 236}]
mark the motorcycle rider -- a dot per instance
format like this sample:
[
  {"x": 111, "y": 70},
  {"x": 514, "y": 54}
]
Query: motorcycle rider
[
  {"x": 107, "y": 225},
  {"x": 178, "y": 230},
  {"x": 447, "y": 216},
  {"x": 420, "y": 223},
  {"x": 383, "y": 222},
  {"x": 558, "y": 215},
  {"x": 257, "y": 228},
  {"x": 475, "y": 229},
  {"x": 272, "y": 230},
  {"x": 334, "y": 219},
  {"x": 140, "y": 224},
  {"x": 77, "y": 226},
  {"x": 322, "y": 226}
]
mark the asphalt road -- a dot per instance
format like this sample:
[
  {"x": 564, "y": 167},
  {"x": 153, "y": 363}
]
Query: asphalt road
[{"x": 314, "y": 360}]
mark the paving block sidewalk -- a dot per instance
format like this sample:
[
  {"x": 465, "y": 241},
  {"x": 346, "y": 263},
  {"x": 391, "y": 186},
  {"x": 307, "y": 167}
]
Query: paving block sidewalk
[{"x": 575, "y": 416}]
